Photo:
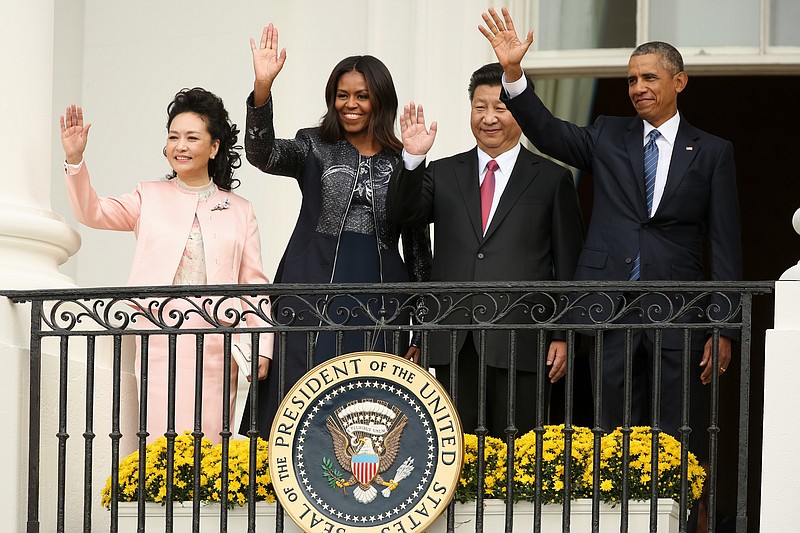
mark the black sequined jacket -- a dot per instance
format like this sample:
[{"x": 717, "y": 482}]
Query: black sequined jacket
[
  {"x": 326, "y": 173},
  {"x": 330, "y": 176}
]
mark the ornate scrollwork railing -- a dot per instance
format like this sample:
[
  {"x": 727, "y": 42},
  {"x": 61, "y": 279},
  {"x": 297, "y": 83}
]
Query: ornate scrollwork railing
[
  {"x": 547, "y": 305},
  {"x": 400, "y": 309}
]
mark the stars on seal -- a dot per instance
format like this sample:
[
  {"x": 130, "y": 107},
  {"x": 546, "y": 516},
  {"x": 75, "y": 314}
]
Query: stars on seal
[{"x": 320, "y": 408}]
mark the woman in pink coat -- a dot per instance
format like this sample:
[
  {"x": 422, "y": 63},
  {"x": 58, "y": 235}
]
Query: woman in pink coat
[{"x": 191, "y": 229}]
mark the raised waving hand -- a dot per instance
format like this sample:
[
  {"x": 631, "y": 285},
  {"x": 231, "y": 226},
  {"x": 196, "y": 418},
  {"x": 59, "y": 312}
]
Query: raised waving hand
[
  {"x": 507, "y": 47},
  {"x": 417, "y": 139},
  {"x": 267, "y": 62},
  {"x": 74, "y": 134}
]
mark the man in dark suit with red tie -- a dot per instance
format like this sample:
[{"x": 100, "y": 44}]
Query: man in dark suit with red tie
[
  {"x": 500, "y": 213},
  {"x": 661, "y": 187}
]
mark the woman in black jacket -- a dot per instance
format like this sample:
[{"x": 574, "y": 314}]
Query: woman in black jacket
[{"x": 343, "y": 233}]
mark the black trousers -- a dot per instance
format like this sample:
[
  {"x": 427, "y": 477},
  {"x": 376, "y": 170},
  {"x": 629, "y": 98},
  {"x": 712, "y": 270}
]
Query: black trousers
[
  {"x": 642, "y": 385},
  {"x": 497, "y": 387}
]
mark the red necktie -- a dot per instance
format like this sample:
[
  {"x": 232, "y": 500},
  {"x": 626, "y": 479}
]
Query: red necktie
[{"x": 487, "y": 192}]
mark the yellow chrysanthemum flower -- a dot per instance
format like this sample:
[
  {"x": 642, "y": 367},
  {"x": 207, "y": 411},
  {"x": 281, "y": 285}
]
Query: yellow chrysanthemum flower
[{"x": 183, "y": 462}]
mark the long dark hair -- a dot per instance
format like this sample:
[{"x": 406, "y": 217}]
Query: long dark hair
[
  {"x": 210, "y": 107},
  {"x": 382, "y": 96}
]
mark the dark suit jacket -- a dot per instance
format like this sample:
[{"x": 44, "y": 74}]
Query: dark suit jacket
[
  {"x": 535, "y": 234},
  {"x": 700, "y": 198}
]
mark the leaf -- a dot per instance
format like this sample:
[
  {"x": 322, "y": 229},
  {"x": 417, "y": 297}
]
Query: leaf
[{"x": 331, "y": 474}]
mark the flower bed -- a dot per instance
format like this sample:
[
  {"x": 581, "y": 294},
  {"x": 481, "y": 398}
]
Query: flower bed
[
  {"x": 495, "y": 455},
  {"x": 581, "y": 468},
  {"x": 183, "y": 473},
  {"x": 640, "y": 472}
]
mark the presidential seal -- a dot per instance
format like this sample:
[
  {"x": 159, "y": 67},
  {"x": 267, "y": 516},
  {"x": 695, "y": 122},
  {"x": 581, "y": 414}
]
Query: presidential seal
[{"x": 366, "y": 442}]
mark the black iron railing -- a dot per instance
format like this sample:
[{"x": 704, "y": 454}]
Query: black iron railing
[{"x": 518, "y": 310}]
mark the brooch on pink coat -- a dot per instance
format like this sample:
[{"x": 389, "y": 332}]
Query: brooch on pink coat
[{"x": 221, "y": 205}]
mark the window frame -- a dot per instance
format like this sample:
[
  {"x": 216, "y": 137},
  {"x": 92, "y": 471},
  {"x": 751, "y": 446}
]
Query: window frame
[{"x": 612, "y": 62}]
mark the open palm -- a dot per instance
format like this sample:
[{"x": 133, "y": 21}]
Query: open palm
[
  {"x": 505, "y": 43},
  {"x": 417, "y": 139},
  {"x": 267, "y": 61},
  {"x": 74, "y": 135}
]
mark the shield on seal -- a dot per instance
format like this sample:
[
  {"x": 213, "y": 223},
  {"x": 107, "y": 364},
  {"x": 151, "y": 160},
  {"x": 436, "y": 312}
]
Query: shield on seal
[{"x": 364, "y": 467}]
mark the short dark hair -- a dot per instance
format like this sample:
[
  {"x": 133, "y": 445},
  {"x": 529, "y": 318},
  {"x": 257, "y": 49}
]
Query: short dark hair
[
  {"x": 669, "y": 55},
  {"x": 210, "y": 107},
  {"x": 382, "y": 96},
  {"x": 491, "y": 75}
]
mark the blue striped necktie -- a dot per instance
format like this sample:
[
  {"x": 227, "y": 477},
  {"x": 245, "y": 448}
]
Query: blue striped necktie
[{"x": 650, "y": 166}]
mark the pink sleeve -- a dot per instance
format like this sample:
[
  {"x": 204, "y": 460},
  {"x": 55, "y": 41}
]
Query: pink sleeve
[
  {"x": 251, "y": 272},
  {"x": 119, "y": 213}
]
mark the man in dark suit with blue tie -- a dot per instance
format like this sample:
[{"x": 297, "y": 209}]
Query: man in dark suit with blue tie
[
  {"x": 500, "y": 213},
  {"x": 661, "y": 186}
]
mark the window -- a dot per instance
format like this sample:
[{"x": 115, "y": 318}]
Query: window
[
  {"x": 705, "y": 23},
  {"x": 575, "y": 24},
  {"x": 595, "y": 37},
  {"x": 784, "y": 22}
]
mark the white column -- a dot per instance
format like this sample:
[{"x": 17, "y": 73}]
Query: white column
[
  {"x": 34, "y": 241},
  {"x": 780, "y": 453}
]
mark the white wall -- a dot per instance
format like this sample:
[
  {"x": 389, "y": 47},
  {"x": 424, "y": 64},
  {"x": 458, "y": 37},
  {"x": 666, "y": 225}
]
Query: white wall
[
  {"x": 67, "y": 84},
  {"x": 132, "y": 57}
]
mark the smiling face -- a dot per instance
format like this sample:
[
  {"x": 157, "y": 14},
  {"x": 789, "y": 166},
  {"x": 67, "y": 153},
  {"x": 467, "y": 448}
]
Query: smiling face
[
  {"x": 353, "y": 104},
  {"x": 653, "y": 89},
  {"x": 189, "y": 148},
  {"x": 493, "y": 126}
]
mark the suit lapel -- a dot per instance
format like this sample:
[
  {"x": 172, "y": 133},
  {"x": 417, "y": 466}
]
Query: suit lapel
[
  {"x": 521, "y": 178},
  {"x": 466, "y": 171},
  {"x": 683, "y": 153},
  {"x": 635, "y": 148}
]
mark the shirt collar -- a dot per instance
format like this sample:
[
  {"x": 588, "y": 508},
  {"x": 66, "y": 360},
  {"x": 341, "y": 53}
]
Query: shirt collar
[
  {"x": 668, "y": 130},
  {"x": 505, "y": 161}
]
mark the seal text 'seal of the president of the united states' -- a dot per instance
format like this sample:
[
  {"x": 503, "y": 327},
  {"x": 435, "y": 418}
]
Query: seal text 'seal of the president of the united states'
[{"x": 367, "y": 442}]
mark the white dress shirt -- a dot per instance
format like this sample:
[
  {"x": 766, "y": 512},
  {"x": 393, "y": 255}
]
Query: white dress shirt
[
  {"x": 505, "y": 162},
  {"x": 665, "y": 144}
]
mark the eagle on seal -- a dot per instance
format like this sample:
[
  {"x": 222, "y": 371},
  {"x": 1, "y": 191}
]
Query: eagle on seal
[{"x": 366, "y": 441}]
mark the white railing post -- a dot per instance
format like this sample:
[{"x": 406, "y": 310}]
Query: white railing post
[{"x": 780, "y": 452}]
